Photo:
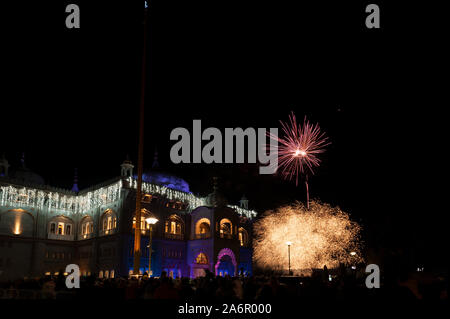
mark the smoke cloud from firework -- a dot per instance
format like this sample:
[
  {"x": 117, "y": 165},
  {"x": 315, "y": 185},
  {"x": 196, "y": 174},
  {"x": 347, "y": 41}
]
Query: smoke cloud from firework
[{"x": 321, "y": 235}]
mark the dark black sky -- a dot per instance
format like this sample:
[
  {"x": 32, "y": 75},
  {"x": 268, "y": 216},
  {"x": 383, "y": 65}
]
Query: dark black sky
[{"x": 71, "y": 97}]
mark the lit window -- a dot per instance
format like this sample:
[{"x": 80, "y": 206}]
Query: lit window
[
  {"x": 202, "y": 228},
  {"x": 226, "y": 228},
  {"x": 243, "y": 236},
  {"x": 60, "y": 228},
  {"x": 147, "y": 198},
  {"x": 109, "y": 221},
  {"x": 87, "y": 226},
  {"x": 174, "y": 225}
]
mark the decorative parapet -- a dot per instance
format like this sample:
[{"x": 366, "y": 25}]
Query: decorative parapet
[
  {"x": 192, "y": 200},
  {"x": 171, "y": 194},
  {"x": 19, "y": 195},
  {"x": 244, "y": 212},
  {"x": 61, "y": 237}
]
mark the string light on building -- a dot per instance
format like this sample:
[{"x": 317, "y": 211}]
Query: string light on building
[{"x": 71, "y": 203}]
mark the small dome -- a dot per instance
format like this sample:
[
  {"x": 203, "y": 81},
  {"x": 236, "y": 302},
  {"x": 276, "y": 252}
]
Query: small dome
[
  {"x": 25, "y": 175},
  {"x": 166, "y": 179},
  {"x": 216, "y": 199}
]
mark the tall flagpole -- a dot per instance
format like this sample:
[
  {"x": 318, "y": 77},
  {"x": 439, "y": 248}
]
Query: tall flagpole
[
  {"x": 137, "y": 230},
  {"x": 307, "y": 191}
]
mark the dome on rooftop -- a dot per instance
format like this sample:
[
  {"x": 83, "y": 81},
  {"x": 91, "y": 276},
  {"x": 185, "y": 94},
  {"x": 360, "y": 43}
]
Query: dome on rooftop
[
  {"x": 165, "y": 179},
  {"x": 216, "y": 199},
  {"x": 25, "y": 175}
]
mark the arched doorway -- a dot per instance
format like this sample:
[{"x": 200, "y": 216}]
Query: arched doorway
[
  {"x": 226, "y": 263},
  {"x": 200, "y": 265}
]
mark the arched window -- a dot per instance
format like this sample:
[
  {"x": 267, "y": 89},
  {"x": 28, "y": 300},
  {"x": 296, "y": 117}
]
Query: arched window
[
  {"x": 243, "y": 237},
  {"x": 201, "y": 259},
  {"x": 100, "y": 274},
  {"x": 144, "y": 225},
  {"x": 203, "y": 228},
  {"x": 60, "y": 227},
  {"x": 52, "y": 228},
  {"x": 226, "y": 228},
  {"x": 108, "y": 222},
  {"x": 174, "y": 227},
  {"x": 87, "y": 227},
  {"x": 146, "y": 198}
]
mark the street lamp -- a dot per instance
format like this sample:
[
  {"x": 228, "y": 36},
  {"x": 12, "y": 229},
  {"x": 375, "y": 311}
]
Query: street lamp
[
  {"x": 150, "y": 221},
  {"x": 289, "y": 243}
]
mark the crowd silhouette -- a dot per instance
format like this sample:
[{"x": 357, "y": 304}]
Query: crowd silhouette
[{"x": 211, "y": 288}]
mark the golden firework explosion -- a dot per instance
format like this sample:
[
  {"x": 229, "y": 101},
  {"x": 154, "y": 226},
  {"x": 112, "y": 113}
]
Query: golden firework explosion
[{"x": 318, "y": 236}]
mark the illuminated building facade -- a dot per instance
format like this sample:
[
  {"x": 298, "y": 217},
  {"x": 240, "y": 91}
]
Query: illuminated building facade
[{"x": 43, "y": 229}]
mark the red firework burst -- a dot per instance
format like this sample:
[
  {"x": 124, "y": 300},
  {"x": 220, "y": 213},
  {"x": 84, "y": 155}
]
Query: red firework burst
[{"x": 299, "y": 148}]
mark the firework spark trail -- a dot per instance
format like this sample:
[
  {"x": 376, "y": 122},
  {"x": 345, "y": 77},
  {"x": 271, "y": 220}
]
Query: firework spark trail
[
  {"x": 321, "y": 235},
  {"x": 299, "y": 147}
]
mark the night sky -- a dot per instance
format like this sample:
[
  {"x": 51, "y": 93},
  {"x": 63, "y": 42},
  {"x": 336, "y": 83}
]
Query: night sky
[{"x": 71, "y": 99}]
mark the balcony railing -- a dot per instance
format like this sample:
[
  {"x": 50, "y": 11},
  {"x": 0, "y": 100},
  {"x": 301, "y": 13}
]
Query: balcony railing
[
  {"x": 60, "y": 237},
  {"x": 105, "y": 232},
  {"x": 174, "y": 236},
  {"x": 226, "y": 236},
  {"x": 85, "y": 236},
  {"x": 203, "y": 236}
]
